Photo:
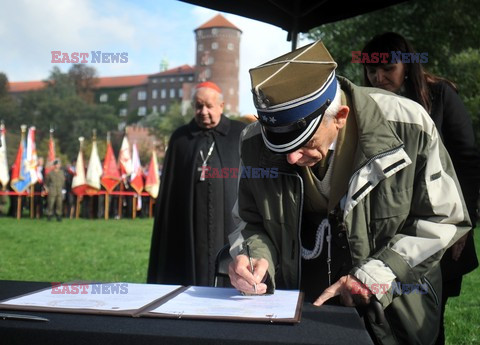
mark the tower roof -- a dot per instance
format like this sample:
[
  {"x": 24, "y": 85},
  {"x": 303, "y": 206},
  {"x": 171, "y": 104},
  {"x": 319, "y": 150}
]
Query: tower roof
[{"x": 218, "y": 21}]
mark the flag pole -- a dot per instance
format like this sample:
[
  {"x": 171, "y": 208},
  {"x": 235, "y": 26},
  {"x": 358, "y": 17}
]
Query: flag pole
[
  {"x": 32, "y": 211},
  {"x": 79, "y": 198}
]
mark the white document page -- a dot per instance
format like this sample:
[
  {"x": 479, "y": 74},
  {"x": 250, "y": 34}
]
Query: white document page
[
  {"x": 226, "y": 302},
  {"x": 111, "y": 296}
]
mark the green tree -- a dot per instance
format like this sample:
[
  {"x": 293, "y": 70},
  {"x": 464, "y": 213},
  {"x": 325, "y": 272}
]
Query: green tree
[
  {"x": 85, "y": 79},
  {"x": 163, "y": 125},
  {"x": 59, "y": 106},
  {"x": 8, "y": 107},
  {"x": 447, "y": 30}
]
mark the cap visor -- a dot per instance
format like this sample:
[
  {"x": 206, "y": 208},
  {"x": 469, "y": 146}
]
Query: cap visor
[{"x": 290, "y": 141}]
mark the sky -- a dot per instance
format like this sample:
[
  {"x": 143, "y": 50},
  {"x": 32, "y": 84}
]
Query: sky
[{"x": 148, "y": 30}]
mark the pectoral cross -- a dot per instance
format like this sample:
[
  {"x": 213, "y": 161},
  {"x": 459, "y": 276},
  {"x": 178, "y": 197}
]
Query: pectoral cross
[{"x": 202, "y": 169}]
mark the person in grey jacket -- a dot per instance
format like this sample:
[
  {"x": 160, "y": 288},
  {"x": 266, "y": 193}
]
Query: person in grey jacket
[{"x": 364, "y": 204}]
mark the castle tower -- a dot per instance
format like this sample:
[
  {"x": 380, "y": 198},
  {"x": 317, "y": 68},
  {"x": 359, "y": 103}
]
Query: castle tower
[{"x": 218, "y": 58}]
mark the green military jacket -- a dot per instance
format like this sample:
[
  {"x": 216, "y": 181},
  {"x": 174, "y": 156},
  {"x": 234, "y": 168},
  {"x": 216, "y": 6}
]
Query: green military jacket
[
  {"x": 403, "y": 208},
  {"x": 54, "y": 182}
]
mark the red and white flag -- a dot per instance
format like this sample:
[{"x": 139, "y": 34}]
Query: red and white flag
[
  {"x": 111, "y": 174},
  {"x": 79, "y": 183},
  {"x": 136, "y": 178},
  {"x": 125, "y": 159},
  {"x": 94, "y": 170},
  {"x": 4, "y": 175},
  {"x": 51, "y": 154},
  {"x": 152, "y": 181}
]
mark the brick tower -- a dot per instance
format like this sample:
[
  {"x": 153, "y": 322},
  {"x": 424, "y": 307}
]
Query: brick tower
[{"x": 218, "y": 58}]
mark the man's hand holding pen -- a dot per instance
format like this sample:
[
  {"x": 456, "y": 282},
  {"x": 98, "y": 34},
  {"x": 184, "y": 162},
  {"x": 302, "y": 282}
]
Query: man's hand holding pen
[{"x": 242, "y": 277}]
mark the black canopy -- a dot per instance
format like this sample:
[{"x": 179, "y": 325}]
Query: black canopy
[{"x": 295, "y": 16}]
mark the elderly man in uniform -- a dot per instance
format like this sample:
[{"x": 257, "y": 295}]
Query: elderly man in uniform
[{"x": 365, "y": 203}]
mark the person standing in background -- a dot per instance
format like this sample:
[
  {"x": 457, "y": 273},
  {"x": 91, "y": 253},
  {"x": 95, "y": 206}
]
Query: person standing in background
[
  {"x": 440, "y": 98},
  {"x": 193, "y": 215},
  {"x": 54, "y": 184}
]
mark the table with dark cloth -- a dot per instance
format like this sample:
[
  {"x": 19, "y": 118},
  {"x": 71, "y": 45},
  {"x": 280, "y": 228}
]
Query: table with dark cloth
[{"x": 324, "y": 325}]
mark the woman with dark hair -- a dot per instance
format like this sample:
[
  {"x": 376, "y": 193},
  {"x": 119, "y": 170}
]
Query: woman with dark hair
[{"x": 439, "y": 97}]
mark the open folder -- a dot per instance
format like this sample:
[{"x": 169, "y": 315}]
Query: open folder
[{"x": 156, "y": 300}]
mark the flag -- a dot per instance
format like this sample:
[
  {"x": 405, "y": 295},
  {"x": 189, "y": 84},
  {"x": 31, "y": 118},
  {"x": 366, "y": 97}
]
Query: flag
[
  {"x": 51, "y": 154},
  {"x": 20, "y": 176},
  {"x": 111, "y": 174},
  {"x": 32, "y": 159},
  {"x": 94, "y": 170},
  {"x": 152, "y": 182},
  {"x": 79, "y": 182},
  {"x": 125, "y": 160},
  {"x": 4, "y": 176},
  {"x": 136, "y": 178}
]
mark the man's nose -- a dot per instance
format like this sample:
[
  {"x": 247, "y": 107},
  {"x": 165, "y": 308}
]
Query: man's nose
[
  {"x": 379, "y": 76},
  {"x": 294, "y": 156}
]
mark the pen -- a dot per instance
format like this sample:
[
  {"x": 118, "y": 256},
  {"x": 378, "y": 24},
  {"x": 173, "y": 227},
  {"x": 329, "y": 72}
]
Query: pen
[
  {"x": 6, "y": 316},
  {"x": 251, "y": 266}
]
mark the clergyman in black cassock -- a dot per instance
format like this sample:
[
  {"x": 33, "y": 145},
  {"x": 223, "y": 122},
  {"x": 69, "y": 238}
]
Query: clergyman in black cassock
[{"x": 193, "y": 211}]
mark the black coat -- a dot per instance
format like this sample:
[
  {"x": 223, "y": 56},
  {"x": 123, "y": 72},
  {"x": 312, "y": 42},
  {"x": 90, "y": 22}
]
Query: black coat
[
  {"x": 172, "y": 256},
  {"x": 455, "y": 126}
]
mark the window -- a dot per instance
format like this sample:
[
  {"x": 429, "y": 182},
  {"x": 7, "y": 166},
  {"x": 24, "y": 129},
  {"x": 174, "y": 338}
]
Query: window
[
  {"x": 214, "y": 45},
  {"x": 154, "y": 80},
  {"x": 142, "y": 95},
  {"x": 154, "y": 109},
  {"x": 232, "y": 91},
  {"x": 180, "y": 79},
  {"x": 142, "y": 111},
  {"x": 163, "y": 108},
  {"x": 121, "y": 126},
  {"x": 163, "y": 93},
  {"x": 172, "y": 80},
  {"x": 103, "y": 98},
  {"x": 123, "y": 112},
  {"x": 190, "y": 78},
  {"x": 123, "y": 97},
  {"x": 230, "y": 46},
  {"x": 172, "y": 93},
  {"x": 214, "y": 31},
  {"x": 200, "y": 47},
  {"x": 180, "y": 93},
  {"x": 154, "y": 94}
]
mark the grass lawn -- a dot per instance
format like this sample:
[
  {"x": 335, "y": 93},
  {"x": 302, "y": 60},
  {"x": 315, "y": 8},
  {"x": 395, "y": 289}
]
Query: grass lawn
[
  {"x": 77, "y": 249},
  {"x": 117, "y": 250}
]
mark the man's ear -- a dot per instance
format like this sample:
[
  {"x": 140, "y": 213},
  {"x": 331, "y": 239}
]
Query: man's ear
[{"x": 342, "y": 115}]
